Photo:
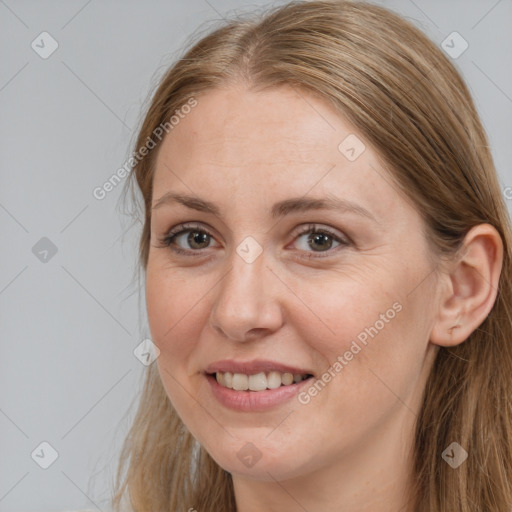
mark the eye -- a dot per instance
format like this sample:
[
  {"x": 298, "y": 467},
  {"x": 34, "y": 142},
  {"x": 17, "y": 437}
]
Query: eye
[
  {"x": 186, "y": 239},
  {"x": 320, "y": 239},
  {"x": 193, "y": 238}
]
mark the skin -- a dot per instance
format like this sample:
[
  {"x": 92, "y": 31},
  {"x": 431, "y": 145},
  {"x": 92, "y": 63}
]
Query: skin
[{"x": 302, "y": 303}]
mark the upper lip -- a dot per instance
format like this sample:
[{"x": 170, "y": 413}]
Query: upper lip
[{"x": 253, "y": 367}]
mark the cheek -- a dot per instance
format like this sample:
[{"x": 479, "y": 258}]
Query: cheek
[
  {"x": 371, "y": 332},
  {"x": 346, "y": 307},
  {"x": 172, "y": 319},
  {"x": 172, "y": 309}
]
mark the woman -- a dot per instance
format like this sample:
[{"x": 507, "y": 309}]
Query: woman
[{"x": 327, "y": 269}]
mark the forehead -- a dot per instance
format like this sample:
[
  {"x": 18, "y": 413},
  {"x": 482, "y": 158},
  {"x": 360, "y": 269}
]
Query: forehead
[
  {"x": 275, "y": 143},
  {"x": 230, "y": 119}
]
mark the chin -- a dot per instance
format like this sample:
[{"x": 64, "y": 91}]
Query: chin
[{"x": 257, "y": 461}]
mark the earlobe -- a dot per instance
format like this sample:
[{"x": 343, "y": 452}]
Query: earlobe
[{"x": 468, "y": 290}]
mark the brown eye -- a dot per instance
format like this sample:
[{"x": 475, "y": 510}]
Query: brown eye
[
  {"x": 198, "y": 239},
  {"x": 319, "y": 240},
  {"x": 187, "y": 239}
]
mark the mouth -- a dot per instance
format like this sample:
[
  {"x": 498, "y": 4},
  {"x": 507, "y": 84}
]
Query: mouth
[
  {"x": 258, "y": 382},
  {"x": 257, "y": 385}
]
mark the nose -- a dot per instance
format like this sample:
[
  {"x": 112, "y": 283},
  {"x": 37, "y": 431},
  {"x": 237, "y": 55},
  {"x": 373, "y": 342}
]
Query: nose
[{"x": 247, "y": 304}]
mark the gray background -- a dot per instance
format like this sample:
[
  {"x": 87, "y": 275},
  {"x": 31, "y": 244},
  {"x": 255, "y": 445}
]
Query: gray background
[{"x": 71, "y": 321}]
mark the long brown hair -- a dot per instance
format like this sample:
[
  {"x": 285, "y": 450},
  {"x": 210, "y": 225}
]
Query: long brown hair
[{"x": 407, "y": 99}]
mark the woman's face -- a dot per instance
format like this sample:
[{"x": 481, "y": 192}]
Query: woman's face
[{"x": 255, "y": 291}]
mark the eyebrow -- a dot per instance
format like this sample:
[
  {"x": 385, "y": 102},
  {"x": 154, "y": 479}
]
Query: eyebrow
[{"x": 280, "y": 209}]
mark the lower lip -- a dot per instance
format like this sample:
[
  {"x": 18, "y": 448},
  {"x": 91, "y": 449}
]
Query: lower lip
[{"x": 254, "y": 401}]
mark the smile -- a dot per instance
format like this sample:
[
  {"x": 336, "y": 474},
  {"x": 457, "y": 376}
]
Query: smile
[
  {"x": 259, "y": 381},
  {"x": 261, "y": 399}
]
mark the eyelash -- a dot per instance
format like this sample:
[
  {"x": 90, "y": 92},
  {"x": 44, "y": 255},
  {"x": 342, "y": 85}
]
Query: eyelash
[{"x": 167, "y": 240}]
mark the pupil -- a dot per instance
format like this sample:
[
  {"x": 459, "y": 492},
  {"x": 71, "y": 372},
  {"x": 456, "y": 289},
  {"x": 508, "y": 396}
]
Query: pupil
[
  {"x": 320, "y": 237},
  {"x": 198, "y": 238}
]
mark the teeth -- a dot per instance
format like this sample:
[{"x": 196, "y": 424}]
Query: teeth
[
  {"x": 240, "y": 382},
  {"x": 287, "y": 379},
  {"x": 257, "y": 382},
  {"x": 274, "y": 380}
]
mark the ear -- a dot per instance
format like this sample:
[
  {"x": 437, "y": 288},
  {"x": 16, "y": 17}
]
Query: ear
[{"x": 469, "y": 287}]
